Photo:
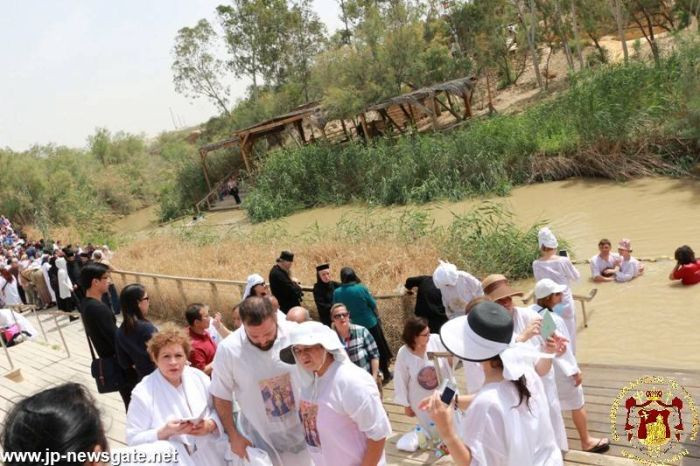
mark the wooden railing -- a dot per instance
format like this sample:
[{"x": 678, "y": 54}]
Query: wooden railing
[{"x": 214, "y": 192}]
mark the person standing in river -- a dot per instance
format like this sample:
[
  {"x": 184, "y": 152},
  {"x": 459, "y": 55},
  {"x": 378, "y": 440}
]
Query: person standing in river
[
  {"x": 687, "y": 268},
  {"x": 560, "y": 270},
  {"x": 604, "y": 263},
  {"x": 283, "y": 286}
]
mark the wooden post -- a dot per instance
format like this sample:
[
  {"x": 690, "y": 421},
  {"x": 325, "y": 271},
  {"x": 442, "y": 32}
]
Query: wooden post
[
  {"x": 182, "y": 292},
  {"x": 467, "y": 105},
  {"x": 245, "y": 151},
  {"x": 363, "y": 122},
  {"x": 156, "y": 286},
  {"x": 300, "y": 128},
  {"x": 203, "y": 157},
  {"x": 433, "y": 115},
  {"x": 215, "y": 296},
  {"x": 345, "y": 129},
  {"x": 449, "y": 109}
]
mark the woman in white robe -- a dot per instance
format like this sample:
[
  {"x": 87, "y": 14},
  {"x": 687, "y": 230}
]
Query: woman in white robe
[
  {"x": 173, "y": 403},
  {"x": 415, "y": 376},
  {"x": 506, "y": 423},
  {"x": 566, "y": 374},
  {"x": 560, "y": 270}
]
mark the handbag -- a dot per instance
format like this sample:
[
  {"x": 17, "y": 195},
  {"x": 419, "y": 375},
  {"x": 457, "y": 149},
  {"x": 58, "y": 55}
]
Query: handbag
[{"x": 107, "y": 372}]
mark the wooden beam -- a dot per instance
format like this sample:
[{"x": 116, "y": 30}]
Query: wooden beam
[
  {"x": 467, "y": 105},
  {"x": 433, "y": 115},
  {"x": 345, "y": 129},
  {"x": 203, "y": 157},
  {"x": 393, "y": 122},
  {"x": 449, "y": 109}
]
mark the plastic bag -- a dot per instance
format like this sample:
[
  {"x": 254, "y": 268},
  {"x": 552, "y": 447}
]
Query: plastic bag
[
  {"x": 256, "y": 457},
  {"x": 408, "y": 441}
]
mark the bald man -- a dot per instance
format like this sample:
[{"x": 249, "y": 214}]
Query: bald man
[{"x": 298, "y": 314}]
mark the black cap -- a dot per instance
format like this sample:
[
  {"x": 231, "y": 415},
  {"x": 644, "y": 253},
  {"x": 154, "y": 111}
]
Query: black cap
[
  {"x": 287, "y": 256},
  {"x": 322, "y": 267}
]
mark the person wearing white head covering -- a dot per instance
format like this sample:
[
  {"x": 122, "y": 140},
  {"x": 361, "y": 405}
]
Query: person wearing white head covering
[
  {"x": 507, "y": 422},
  {"x": 65, "y": 300},
  {"x": 561, "y": 271},
  {"x": 344, "y": 421},
  {"x": 251, "y": 282},
  {"x": 457, "y": 288}
]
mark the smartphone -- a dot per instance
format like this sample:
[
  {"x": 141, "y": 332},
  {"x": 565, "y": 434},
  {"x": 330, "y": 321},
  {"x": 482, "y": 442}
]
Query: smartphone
[
  {"x": 548, "y": 325},
  {"x": 447, "y": 391},
  {"x": 563, "y": 253}
]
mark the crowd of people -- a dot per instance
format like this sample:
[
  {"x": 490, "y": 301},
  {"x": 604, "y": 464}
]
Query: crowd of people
[{"x": 280, "y": 386}]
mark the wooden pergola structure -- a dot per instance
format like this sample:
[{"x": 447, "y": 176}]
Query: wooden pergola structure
[
  {"x": 271, "y": 129},
  {"x": 418, "y": 110},
  {"x": 405, "y": 112}
]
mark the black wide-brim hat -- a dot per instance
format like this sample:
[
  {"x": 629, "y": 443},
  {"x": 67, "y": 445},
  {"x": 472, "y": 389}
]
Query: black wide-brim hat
[
  {"x": 286, "y": 256},
  {"x": 481, "y": 335}
]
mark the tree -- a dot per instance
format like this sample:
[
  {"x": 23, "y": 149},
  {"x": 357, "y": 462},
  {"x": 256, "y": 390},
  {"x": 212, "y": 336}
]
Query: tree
[
  {"x": 255, "y": 34},
  {"x": 196, "y": 70},
  {"x": 306, "y": 39},
  {"x": 531, "y": 35},
  {"x": 619, "y": 13}
]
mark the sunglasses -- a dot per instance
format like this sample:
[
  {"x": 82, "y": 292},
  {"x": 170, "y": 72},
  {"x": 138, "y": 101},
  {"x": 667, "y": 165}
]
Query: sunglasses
[{"x": 341, "y": 315}]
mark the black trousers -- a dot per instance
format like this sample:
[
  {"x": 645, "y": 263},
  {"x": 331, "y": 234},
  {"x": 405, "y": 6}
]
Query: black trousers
[{"x": 385, "y": 354}]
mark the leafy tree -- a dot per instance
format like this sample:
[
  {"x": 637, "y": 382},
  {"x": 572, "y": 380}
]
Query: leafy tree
[
  {"x": 197, "y": 72},
  {"x": 254, "y": 31},
  {"x": 306, "y": 39}
]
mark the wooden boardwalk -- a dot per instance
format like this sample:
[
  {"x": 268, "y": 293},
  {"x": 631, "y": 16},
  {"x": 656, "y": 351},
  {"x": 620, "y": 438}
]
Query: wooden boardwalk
[{"x": 42, "y": 365}]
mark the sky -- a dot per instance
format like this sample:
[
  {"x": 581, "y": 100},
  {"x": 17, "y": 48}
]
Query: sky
[{"x": 69, "y": 67}]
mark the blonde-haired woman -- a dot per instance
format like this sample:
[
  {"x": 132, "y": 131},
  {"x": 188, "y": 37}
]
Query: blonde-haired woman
[{"x": 173, "y": 403}]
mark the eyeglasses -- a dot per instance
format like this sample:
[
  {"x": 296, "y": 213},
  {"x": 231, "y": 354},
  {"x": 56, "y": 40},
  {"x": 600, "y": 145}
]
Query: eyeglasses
[
  {"x": 302, "y": 351},
  {"x": 145, "y": 298},
  {"x": 341, "y": 315},
  {"x": 427, "y": 334}
]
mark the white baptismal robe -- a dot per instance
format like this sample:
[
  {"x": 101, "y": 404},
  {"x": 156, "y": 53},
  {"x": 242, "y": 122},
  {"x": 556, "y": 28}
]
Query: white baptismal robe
[
  {"x": 499, "y": 434},
  {"x": 155, "y": 402}
]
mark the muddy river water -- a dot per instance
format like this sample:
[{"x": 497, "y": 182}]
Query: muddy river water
[{"x": 650, "y": 321}]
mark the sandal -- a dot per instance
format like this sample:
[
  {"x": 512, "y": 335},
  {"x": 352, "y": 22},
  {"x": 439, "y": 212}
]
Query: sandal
[{"x": 602, "y": 446}]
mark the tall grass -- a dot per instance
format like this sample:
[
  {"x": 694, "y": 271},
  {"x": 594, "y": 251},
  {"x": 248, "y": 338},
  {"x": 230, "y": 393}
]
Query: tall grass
[
  {"x": 614, "y": 122},
  {"x": 384, "y": 250}
]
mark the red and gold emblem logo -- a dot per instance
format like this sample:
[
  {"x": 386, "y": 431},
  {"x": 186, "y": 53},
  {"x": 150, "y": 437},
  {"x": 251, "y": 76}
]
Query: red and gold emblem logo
[{"x": 658, "y": 417}]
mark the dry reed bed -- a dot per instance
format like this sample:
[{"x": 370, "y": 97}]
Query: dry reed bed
[{"x": 383, "y": 265}]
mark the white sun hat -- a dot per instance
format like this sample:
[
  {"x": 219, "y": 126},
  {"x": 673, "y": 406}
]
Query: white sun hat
[
  {"x": 546, "y": 287},
  {"x": 313, "y": 333}
]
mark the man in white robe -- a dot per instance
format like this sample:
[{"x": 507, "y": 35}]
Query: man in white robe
[{"x": 247, "y": 366}]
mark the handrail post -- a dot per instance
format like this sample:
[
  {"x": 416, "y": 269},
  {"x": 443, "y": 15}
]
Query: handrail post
[{"x": 60, "y": 332}]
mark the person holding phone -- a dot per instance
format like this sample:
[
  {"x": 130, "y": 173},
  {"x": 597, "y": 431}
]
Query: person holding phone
[
  {"x": 566, "y": 374},
  {"x": 173, "y": 404},
  {"x": 506, "y": 423},
  {"x": 562, "y": 271}
]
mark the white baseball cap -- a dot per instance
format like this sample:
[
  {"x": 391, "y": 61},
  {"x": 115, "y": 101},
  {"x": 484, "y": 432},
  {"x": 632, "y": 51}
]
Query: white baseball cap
[{"x": 546, "y": 287}]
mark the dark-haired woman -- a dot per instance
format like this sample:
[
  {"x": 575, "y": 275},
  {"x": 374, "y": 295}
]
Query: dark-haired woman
[
  {"x": 687, "y": 268},
  {"x": 64, "y": 421},
  {"x": 507, "y": 422},
  {"x": 363, "y": 311},
  {"x": 415, "y": 376},
  {"x": 135, "y": 331}
]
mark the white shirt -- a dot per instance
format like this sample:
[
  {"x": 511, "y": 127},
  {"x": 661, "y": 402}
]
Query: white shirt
[
  {"x": 267, "y": 391},
  {"x": 155, "y": 401},
  {"x": 628, "y": 270},
  {"x": 9, "y": 292},
  {"x": 345, "y": 413},
  {"x": 499, "y": 435},
  {"x": 455, "y": 298},
  {"x": 416, "y": 377},
  {"x": 598, "y": 264}
]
